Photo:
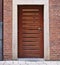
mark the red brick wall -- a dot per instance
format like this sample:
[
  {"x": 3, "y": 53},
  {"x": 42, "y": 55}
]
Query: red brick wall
[
  {"x": 7, "y": 39},
  {"x": 55, "y": 29}
]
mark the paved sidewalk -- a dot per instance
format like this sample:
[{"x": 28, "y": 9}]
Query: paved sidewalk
[{"x": 29, "y": 62}]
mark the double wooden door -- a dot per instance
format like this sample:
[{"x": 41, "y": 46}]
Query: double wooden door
[{"x": 30, "y": 31}]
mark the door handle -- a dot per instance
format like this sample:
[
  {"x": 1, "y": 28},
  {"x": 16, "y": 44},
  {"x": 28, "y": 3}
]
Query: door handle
[{"x": 39, "y": 29}]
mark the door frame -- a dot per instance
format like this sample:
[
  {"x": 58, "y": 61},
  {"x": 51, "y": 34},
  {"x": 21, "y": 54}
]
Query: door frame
[{"x": 15, "y": 25}]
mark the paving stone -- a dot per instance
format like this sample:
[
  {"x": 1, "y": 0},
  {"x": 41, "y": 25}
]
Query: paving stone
[
  {"x": 8, "y": 63},
  {"x": 32, "y": 64},
  {"x": 22, "y": 62},
  {"x": 40, "y": 62},
  {"x": 50, "y": 62},
  {"x": 15, "y": 63},
  {"x": 58, "y": 62},
  {"x": 2, "y": 62},
  {"x": 29, "y": 63}
]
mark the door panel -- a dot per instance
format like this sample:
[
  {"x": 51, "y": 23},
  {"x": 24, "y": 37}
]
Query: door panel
[{"x": 30, "y": 31}]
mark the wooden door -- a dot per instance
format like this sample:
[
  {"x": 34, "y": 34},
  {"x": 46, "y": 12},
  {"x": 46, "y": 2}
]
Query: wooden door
[{"x": 30, "y": 31}]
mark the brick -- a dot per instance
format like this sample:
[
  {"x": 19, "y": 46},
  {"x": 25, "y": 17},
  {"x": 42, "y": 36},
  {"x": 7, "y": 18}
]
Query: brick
[
  {"x": 54, "y": 29},
  {"x": 7, "y": 12}
]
